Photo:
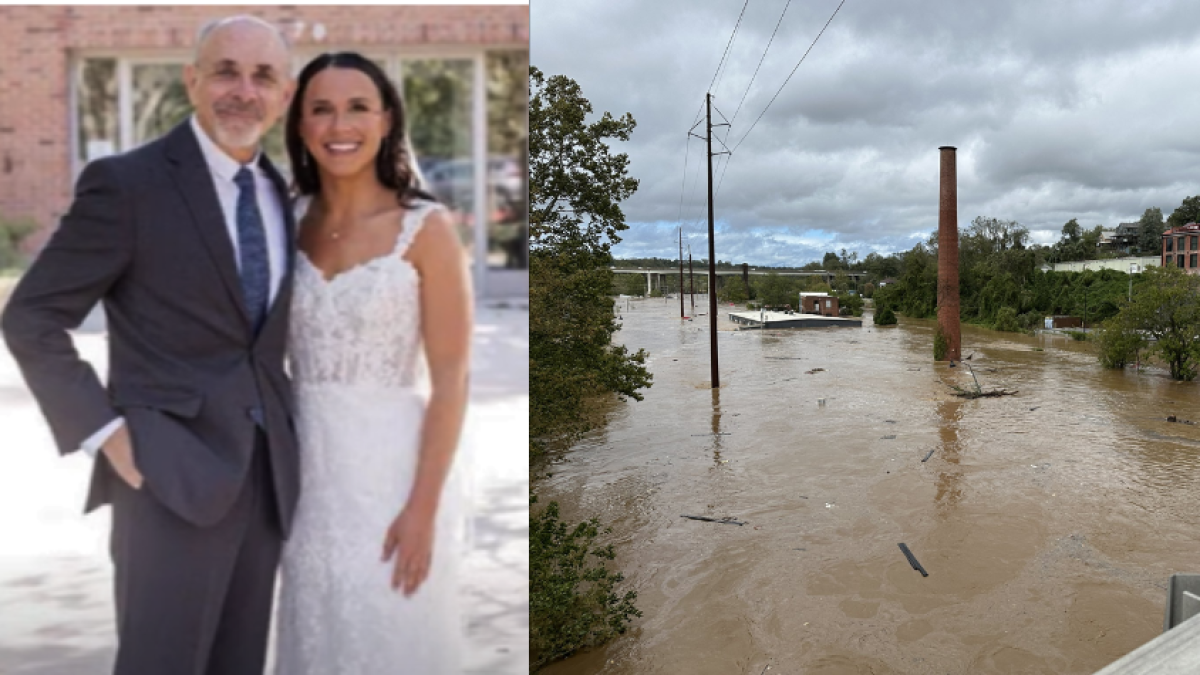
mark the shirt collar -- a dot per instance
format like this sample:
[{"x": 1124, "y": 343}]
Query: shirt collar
[{"x": 221, "y": 164}]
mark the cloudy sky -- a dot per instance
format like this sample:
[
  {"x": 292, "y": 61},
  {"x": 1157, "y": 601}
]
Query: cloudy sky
[{"x": 1059, "y": 110}]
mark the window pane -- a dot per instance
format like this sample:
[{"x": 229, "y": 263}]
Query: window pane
[
  {"x": 159, "y": 100},
  {"x": 97, "y": 111},
  {"x": 508, "y": 159},
  {"x": 437, "y": 98}
]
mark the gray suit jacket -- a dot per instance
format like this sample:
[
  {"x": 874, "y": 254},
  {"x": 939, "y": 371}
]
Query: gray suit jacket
[{"x": 146, "y": 236}]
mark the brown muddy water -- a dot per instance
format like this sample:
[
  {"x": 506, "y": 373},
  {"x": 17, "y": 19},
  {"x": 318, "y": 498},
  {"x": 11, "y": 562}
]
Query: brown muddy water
[{"x": 1049, "y": 521}]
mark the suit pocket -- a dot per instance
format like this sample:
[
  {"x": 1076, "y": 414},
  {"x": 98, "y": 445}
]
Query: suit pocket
[{"x": 178, "y": 402}]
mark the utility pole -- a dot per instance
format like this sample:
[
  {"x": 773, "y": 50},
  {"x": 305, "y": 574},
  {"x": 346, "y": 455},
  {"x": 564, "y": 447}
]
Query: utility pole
[
  {"x": 681, "y": 314},
  {"x": 691, "y": 281},
  {"x": 712, "y": 255}
]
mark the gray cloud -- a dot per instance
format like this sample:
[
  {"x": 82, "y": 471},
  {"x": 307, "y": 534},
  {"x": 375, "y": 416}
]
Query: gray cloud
[{"x": 1060, "y": 110}]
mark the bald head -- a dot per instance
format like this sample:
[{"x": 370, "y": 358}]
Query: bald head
[
  {"x": 247, "y": 23},
  {"x": 240, "y": 82}
]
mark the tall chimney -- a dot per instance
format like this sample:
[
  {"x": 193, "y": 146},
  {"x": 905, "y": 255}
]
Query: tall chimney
[{"x": 947, "y": 285}]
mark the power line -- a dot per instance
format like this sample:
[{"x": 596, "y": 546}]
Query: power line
[
  {"x": 687, "y": 148},
  {"x": 789, "y": 77},
  {"x": 760, "y": 62},
  {"x": 700, "y": 110},
  {"x": 727, "y": 46}
]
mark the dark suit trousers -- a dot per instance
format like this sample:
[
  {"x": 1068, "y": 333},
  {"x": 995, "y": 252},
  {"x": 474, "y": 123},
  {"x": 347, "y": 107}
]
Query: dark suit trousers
[{"x": 190, "y": 600}]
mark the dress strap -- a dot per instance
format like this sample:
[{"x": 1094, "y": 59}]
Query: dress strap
[{"x": 414, "y": 219}]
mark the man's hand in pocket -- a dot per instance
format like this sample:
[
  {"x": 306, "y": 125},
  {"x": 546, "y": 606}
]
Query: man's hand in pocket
[{"x": 119, "y": 451}]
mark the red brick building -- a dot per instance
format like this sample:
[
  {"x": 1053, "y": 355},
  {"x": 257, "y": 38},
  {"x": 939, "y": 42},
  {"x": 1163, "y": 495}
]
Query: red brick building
[
  {"x": 1181, "y": 248},
  {"x": 818, "y": 303},
  {"x": 81, "y": 82}
]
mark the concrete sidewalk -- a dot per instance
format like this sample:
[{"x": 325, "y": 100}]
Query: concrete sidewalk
[{"x": 56, "y": 614}]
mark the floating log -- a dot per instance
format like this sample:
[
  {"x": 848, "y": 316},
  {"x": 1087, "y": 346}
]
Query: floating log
[
  {"x": 963, "y": 393},
  {"x": 928, "y": 456},
  {"x": 912, "y": 560},
  {"x": 726, "y": 521}
]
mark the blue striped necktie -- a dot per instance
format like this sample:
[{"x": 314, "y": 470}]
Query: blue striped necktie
[{"x": 255, "y": 267}]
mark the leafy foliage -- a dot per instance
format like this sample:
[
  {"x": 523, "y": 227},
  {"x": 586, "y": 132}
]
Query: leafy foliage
[
  {"x": 1006, "y": 320},
  {"x": 1166, "y": 307},
  {"x": 572, "y": 594},
  {"x": 1119, "y": 342},
  {"x": 941, "y": 346},
  {"x": 1188, "y": 212},
  {"x": 12, "y": 232},
  {"x": 1150, "y": 230},
  {"x": 733, "y": 290},
  {"x": 576, "y": 186},
  {"x": 885, "y": 317}
]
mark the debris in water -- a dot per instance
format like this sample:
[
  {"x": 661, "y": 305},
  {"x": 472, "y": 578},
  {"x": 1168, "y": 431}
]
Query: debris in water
[
  {"x": 719, "y": 433},
  {"x": 726, "y": 521},
  {"x": 928, "y": 456},
  {"x": 913, "y": 561},
  {"x": 959, "y": 391},
  {"x": 1172, "y": 418},
  {"x": 888, "y": 438}
]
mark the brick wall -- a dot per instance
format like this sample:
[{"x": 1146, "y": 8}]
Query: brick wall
[{"x": 36, "y": 43}]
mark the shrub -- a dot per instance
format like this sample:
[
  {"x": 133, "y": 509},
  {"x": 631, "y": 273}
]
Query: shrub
[
  {"x": 1006, "y": 320},
  {"x": 12, "y": 232},
  {"x": 1118, "y": 343},
  {"x": 941, "y": 346},
  {"x": 885, "y": 317},
  {"x": 572, "y": 601}
]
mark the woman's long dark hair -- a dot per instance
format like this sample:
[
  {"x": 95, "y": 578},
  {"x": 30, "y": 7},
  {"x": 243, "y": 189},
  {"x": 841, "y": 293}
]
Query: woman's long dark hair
[{"x": 393, "y": 164}]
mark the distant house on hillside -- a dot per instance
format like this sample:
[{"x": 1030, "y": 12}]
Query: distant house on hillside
[
  {"x": 1126, "y": 236},
  {"x": 1181, "y": 247},
  {"x": 1108, "y": 240}
]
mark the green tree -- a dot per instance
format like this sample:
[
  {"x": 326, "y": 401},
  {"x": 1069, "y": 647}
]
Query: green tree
[
  {"x": 732, "y": 289},
  {"x": 774, "y": 290},
  {"x": 1150, "y": 229},
  {"x": 885, "y": 317},
  {"x": 1188, "y": 212},
  {"x": 1166, "y": 307},
  {"x": 630, "y": 284},
  {"x": 1070, "y": 244},
  {"x": 571, "y": 593},
  {"x": 1119, "y": 341},
  {"x": 576, "y": 185}
]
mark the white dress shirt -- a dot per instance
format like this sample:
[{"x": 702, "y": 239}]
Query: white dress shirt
[{"x": 223, "y": 168}]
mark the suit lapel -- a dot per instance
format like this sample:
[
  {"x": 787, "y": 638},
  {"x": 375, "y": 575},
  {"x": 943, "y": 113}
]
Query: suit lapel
[{"x": 195, "y": 183}]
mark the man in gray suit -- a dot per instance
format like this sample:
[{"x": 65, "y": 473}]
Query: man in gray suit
[{"x": 187, "y": 241}]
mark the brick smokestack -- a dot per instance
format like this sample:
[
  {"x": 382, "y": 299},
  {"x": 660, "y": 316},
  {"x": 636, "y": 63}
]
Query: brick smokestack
[{"x": 947, "y": 284}]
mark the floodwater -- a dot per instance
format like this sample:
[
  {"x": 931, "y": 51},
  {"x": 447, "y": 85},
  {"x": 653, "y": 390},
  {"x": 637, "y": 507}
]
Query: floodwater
[{"x": 1049, "y": 521}]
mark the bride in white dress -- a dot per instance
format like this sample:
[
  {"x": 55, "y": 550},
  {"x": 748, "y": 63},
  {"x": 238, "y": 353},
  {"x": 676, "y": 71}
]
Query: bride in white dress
[{"x": 369, "y": 576}]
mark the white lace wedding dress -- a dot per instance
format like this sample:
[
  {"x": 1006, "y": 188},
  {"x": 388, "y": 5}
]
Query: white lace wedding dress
[{"x": 355, "y": 354}]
